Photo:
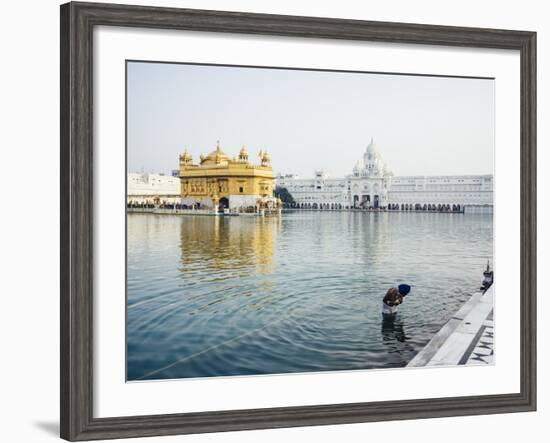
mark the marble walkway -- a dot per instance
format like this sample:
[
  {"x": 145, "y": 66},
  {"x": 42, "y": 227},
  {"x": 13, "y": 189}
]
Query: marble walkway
[
  {"x": 467, "y": 338},
  {"x": 483, "y": 351}
]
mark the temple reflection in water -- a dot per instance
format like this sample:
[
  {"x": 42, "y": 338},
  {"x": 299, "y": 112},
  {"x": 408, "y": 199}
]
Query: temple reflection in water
[{"x": 233, "y": 244}]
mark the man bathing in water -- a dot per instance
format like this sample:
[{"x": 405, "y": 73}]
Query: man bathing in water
[{"x": 393, "y": 298}]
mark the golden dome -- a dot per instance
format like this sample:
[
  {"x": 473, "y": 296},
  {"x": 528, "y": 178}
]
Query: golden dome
[
  {"x": 186, "y": 156},
  {"x": 216, "y": 157},
  {"x": 266, "y": 157}
]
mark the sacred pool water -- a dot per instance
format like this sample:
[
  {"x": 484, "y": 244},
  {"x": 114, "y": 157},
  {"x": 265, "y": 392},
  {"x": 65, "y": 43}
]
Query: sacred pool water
[{"x": 299, "y": 292}]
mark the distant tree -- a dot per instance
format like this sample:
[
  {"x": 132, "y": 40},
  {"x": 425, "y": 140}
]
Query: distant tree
[{"x": 285, "y": 196}]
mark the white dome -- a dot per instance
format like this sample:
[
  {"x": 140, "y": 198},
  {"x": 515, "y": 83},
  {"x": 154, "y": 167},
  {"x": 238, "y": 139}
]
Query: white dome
[
  {"x": 371, "y": 148},
  {"x": 371, "y": 164}
]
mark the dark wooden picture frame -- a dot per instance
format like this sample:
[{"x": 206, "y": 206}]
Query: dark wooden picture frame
[{"x": 77, "y": 23}]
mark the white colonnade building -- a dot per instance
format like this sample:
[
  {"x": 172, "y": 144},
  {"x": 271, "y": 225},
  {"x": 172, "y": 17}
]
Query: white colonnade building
[{"x": 372, "y": 185}]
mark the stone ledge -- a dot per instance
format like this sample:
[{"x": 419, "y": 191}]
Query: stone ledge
[{"x": 449, "y": 346}]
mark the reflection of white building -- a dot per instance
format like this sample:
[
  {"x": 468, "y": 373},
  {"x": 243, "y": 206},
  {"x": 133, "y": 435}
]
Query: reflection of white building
[
  {"x": 153, "y": 188},
  {"x": 372, "y": 185}
]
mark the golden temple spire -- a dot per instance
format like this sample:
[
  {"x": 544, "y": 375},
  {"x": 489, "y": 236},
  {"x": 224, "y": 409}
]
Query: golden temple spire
[
  {"x": 243, "y": 154},
  {"x": 186, "y": 157},
  {"x": 265, "y": 158}
]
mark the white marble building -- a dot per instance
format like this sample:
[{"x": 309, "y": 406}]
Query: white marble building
[
  {"x": 152, "y": 188},
  {"x": 372, "y": 185},
  {"x": 463, "y": 190}
]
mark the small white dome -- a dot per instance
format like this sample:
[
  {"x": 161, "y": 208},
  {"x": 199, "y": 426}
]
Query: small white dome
[{"x": 371, "y": 148}]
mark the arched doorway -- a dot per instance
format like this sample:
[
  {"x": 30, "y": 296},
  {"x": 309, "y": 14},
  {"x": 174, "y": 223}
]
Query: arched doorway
[{"x": 224, "y": 203}]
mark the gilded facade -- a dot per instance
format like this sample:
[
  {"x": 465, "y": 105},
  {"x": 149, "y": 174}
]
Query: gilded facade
[{"x": 218, "y": 180}]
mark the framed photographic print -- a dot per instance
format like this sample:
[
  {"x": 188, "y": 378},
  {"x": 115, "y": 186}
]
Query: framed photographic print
[{"x": 272, "y": 221}]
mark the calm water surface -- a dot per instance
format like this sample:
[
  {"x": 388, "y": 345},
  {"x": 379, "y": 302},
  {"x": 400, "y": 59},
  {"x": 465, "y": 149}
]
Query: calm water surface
[{"x": 219, "y": 296}]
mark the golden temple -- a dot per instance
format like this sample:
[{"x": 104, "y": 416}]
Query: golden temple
[{"x": 219, "y": 181}]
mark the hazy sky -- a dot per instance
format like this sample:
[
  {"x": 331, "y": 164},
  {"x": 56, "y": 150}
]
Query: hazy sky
[{"x": 309, "y": 120}]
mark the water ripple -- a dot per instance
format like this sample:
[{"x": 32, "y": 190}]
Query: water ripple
[{"x": 212, "y": 296}]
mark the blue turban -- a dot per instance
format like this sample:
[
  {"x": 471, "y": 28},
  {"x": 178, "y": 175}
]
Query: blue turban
[{"x": 404, "y": 289}]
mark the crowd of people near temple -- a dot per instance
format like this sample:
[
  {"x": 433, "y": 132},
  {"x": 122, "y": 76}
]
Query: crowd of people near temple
[
  {"x": 391, "y": 207},
  {"x": 164, "y": 205},
  {"x": 322, "y": 206},
  {"x": 177, "y": 206},
  {"x": 425, "y": 207}
]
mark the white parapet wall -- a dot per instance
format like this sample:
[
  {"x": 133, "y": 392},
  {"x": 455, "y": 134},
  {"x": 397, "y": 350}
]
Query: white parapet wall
[
  {"x": 243, "y": 201},
  {"x": 205, "y": 202}
]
